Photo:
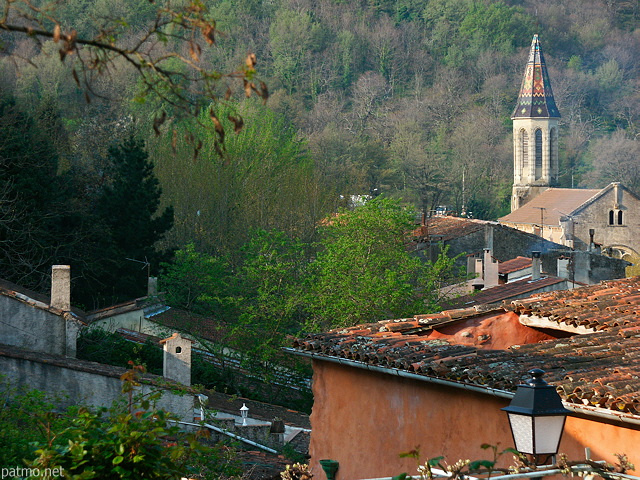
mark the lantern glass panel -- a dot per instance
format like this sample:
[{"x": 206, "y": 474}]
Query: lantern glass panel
[
  {"x": 522, "y": 429},
  {"x": 548, "y": 431}
]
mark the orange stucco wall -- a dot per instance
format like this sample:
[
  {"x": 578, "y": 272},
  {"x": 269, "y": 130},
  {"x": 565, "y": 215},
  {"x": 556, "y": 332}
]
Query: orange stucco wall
[{"x": 364, "y": 420}]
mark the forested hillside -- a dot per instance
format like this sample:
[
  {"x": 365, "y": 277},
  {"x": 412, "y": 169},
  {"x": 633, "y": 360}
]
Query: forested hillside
[{"x": 408, "y": 98}]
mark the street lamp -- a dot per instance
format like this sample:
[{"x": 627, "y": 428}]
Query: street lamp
[
  {"x": 536, "y": 417},
  {"x": 244, "y": 412}
]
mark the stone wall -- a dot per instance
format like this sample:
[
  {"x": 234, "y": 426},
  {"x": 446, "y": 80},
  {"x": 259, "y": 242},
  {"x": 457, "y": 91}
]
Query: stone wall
[{"x": 79, "y": 382}]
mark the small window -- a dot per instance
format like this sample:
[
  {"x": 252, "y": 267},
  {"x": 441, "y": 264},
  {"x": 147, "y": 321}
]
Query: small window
[
  {"x": 619, "y": 217},
  {"x": 611, "y": 217},
  {"x": 178, "y": 349}
]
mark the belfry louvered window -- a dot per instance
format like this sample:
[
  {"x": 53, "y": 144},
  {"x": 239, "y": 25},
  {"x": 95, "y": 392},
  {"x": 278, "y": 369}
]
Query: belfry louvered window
[
  {"x": 553, "y": 153},
  {"x": 538, "y": 151},
  {"x": 524, "y": 143}
]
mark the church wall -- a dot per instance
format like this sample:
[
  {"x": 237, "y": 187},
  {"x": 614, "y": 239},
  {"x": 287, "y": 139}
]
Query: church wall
[{"x": 596, "y": 216}]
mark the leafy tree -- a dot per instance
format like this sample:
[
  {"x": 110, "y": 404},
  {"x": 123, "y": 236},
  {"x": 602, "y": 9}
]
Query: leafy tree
[
  {"x": 128, "y": 207},
  {"x": 266, "y": 180},
  {"x": 197, "y": 282},
  {"x": 272, "y": 281},
  {"x": 167, "y": 53},
  {"x": 290, "y": 38},
  {"x": 364, "y": 272}
]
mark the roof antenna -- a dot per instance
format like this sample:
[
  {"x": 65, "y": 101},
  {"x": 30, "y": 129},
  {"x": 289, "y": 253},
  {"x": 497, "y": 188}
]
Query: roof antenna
[{"x": 144, "y": 264}]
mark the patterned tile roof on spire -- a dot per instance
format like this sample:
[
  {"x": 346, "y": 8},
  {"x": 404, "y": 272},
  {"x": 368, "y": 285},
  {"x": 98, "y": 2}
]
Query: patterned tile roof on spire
[{"x": 536, "y": 97}]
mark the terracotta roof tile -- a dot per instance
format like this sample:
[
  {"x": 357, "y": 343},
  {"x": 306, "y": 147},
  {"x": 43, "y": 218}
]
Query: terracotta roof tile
[
  {"x": 598, "y": 369},
  {"x": 446, "y": 228},
  {"x": 513, "y": 265},
  {"x": 504, "y": 292},
  {"x": 557, "y": 202}
]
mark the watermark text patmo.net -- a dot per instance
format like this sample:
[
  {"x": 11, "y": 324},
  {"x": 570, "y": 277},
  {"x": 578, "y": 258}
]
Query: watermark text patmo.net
[{"x": 25, "y": 472}]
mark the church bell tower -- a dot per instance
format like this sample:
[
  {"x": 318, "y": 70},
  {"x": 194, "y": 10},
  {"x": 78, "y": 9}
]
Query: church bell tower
[{"x": 535, "y": 132}]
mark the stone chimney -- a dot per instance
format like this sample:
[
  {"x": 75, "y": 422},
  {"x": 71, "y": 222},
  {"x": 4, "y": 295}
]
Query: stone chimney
[
  {"x": 152, "y": 286},
  {"x": 61, "y": 287},
  {"x": 490, "y": 269},
  {"x": 474, "y": 272},
  {"x": 563, "y": 267},
  {"x": 177, "y": 359},
  {"x": 535, "y": 265}
]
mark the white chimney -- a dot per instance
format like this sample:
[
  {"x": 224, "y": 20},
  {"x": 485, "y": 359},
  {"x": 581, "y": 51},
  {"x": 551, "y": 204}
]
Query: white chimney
[
  {"x": 535, "y": 265},
  {"x": 61, "y": 287}
]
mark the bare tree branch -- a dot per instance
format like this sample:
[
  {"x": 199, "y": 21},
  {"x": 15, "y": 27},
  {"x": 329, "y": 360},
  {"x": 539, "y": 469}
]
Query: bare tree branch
[{"x": 183, "y": 82}]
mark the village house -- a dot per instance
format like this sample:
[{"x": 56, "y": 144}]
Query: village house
[
  {"x": 38, "y": 336},
  {"x": 39, "y": 323},
  {"x": 439, "y": 381},
  {"x": 470, "y": 238}
]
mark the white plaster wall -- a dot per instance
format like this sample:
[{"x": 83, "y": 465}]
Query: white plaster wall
[
  {"x": 32, "y": 328},
  {"x": 87, "y": 383}
]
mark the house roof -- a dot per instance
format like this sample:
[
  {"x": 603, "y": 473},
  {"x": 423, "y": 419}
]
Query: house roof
[
  {"x": 505, "y": 291},
  {"x": 554, "y": 202},
  {"x": 204, "y": 327},
  {"x": 37, "y": 300},
  {"x": 447, "y": 228},
  {"x": 536, "y": 97},
  {"x": 514, "y": 265},
  {"x": 593, "y": 370}
]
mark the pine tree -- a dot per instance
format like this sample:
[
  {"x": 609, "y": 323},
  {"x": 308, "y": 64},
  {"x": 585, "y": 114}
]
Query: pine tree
[{"x": 128, "y": 208}]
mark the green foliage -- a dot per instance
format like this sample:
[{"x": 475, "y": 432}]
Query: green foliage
[
  {"x": 364, "y": 272},
  {"x": 24, "y": 417},
  {"x": 266, "y": 180},
  {"x": 463, "y": 29},
  {"x": 29, "y": 189},
  {"x": 133, "y": 440},
  {"x": 290, "y": 37},
  {"x": 98, "y": 345},
  {"x": 272, "y": 280},
  {"x": 197, "y": 282}
]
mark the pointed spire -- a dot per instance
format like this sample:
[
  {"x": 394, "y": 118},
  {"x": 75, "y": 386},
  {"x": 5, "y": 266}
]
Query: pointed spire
[{"x": 536, "y": 97}]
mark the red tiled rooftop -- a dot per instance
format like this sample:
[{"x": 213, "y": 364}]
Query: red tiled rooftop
[
  {"x": 446, "y": 228},
  {"x": 599, "y": 369},
  {"x": 503, "y": 292},
  {"x": 556, "y": 202},
  {"x": 513, "y": 265}
]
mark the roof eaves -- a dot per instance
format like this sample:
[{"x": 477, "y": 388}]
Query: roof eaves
[{"x": 587, "y": 410}]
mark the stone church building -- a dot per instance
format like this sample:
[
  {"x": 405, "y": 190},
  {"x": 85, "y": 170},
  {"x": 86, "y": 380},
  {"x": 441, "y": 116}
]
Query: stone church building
[{"x": 584, "y": 219}]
